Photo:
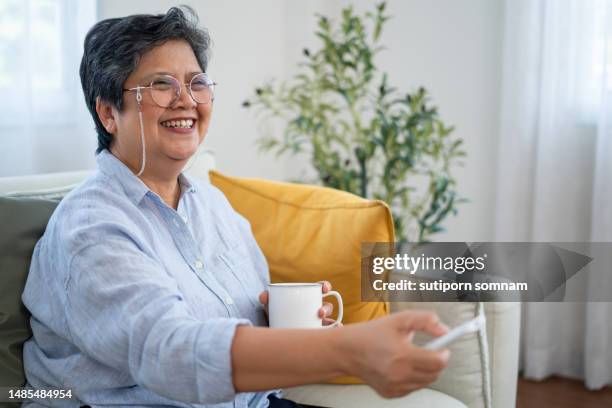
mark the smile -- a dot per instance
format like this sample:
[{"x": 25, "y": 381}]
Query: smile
[{"x": 184, "y": 123}]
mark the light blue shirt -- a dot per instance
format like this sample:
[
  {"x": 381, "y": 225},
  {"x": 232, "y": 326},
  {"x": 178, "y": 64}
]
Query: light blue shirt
[{"x": 136, "y": 304}]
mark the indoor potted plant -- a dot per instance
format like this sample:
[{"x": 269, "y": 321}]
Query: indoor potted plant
[{"x": 361, "y": 134}]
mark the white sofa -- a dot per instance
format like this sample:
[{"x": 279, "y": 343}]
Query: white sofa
[{"x": 483, "y": 368}]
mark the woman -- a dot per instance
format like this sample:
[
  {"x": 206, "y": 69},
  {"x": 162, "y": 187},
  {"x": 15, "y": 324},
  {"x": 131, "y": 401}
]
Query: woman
[{"x": 133, "y": 299}]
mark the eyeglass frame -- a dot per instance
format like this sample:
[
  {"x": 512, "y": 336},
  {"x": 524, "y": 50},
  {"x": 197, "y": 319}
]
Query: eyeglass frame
[{"x": 187, "y": 86}]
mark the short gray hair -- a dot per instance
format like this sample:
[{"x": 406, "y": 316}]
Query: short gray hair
[{"x": 113, "y": 48}]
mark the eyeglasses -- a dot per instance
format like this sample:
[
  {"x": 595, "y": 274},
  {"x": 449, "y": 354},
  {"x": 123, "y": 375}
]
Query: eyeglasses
[{"x": 166, "y": 90}]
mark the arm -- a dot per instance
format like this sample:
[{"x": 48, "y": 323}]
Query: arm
[
  {"x": 265, "y": 358},
  {"x": 124, "y": 311},
  {"x": 380, "y": 352}
]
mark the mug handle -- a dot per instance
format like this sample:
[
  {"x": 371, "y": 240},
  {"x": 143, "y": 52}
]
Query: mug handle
[{"x": 340, "y": 308}]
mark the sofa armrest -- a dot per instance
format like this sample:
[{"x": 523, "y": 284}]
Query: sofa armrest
[
  {"x": 467, "y": 376},
  {"x": 503, "y": 334},
  {"x": 483, "y": 371}
]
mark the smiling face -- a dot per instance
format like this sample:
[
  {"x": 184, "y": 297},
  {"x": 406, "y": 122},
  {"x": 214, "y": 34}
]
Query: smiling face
[{"x": 172, "y": 134}]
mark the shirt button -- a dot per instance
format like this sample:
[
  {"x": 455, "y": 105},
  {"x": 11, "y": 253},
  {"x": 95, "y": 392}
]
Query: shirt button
[
  {"x": 176, "y": 223},
  {"x": 229, "y": 301},
  {"x": 198, "y": 264},
  {"x": 184, "y": 217}
]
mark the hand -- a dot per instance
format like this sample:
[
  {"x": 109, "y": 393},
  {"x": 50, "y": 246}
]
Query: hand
[
  {"x": 382, "y": 354},
  {"x": 324, "y": 312}
]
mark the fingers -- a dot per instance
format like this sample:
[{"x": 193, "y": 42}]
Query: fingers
[
  {"x": 399, "y": 392},
  {"x": 421, "y": 379},
  {"x": 429, "y": 361},
  {"x": 326, "y": 310},
  {"x": 263, "y": 298},
  {"x": 327, "y": 321},
  {"x": 424, "y": 321},
  {"x": 326, "y": 286},
  {"x": 422, "y": 368}
]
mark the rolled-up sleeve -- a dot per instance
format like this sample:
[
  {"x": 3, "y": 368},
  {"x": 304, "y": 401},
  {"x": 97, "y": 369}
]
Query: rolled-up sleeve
[{"x": 126, "y": 312}]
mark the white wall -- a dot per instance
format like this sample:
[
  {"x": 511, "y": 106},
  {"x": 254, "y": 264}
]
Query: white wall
[{"x": 452, "y": 48}]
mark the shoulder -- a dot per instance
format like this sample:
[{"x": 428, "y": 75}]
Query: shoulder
[
  {"x": 98, "y": 197},
  {"x": 93, "y": 212}
]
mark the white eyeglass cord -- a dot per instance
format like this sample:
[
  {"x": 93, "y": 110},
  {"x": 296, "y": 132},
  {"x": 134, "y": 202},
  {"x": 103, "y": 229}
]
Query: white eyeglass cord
[{"x": 142, "y": 138}]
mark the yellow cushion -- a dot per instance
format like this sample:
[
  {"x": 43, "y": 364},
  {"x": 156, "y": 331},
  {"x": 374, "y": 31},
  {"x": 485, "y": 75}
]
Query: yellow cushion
[{"x": 309, "y": 233}]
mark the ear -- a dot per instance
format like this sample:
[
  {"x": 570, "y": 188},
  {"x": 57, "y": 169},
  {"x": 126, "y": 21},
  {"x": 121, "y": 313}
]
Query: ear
[{"x": 106, "y": 115}]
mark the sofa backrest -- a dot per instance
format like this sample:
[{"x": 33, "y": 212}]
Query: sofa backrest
[
  {"x": 56, "y": 185},
  {"x": 23, "y": 221}
]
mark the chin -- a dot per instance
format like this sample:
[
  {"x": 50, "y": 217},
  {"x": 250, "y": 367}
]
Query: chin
[
  {"x": 182, "y": 155},
  {"x": 182, "y": 151}
]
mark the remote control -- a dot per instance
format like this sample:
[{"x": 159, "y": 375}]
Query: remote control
[{"x": 471, "y": 326}]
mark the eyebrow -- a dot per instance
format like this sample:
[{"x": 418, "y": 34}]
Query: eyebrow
[{"x": 192, "y": 74}]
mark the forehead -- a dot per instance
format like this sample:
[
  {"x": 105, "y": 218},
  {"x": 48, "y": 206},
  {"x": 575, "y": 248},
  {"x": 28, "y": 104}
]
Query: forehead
[{"x": 174, "y": 56}]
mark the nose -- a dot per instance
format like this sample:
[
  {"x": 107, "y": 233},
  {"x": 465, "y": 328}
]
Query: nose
[{"x": 184, "y": 100}]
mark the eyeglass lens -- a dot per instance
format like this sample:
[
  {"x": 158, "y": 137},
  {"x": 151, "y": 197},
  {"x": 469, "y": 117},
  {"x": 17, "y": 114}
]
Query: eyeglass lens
[{"x": 166, "y": 89}]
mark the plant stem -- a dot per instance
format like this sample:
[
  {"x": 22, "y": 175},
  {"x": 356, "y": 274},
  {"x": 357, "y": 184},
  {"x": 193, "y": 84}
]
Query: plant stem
[{"x": 363, "y": 172}]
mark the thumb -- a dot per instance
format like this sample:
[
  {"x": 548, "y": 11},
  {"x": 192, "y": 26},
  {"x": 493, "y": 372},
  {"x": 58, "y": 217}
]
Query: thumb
[
  {"x": 420, "y": 320},
  {"x": 263, "y": 298}
]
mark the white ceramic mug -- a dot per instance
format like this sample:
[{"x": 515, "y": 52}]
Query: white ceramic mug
[{"x": 296, "y": 305}]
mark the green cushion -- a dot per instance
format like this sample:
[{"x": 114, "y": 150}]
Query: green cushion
[{"x": 22, "y": 222}]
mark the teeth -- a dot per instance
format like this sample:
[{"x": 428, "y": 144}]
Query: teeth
[{"x": 184, "y": 123}]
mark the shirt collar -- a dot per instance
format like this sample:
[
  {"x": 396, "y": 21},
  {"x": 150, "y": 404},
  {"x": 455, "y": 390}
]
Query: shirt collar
[
  {"x": 187, "y": 185},
  {"x": 134, "y": 188}
]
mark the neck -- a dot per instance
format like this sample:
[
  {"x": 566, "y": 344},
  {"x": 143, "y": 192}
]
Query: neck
[
  {"x": 169, "y": 189},
  {"x": 161, "y": 179}
]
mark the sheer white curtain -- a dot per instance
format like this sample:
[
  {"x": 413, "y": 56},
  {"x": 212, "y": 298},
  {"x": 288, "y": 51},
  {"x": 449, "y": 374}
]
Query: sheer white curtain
[
  {"x": 44, "y": 124},
  {"x": 555, "y": 167}
]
